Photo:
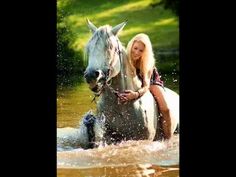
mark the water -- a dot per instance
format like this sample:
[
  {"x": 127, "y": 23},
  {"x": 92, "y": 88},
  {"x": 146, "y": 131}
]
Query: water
[
  {"x": 138, "y": 170},
  {"x": 131, "y": 158},
  {"x": 72, "y": 104}
]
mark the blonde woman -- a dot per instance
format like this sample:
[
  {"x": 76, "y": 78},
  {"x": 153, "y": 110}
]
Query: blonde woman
[{"x": 142, "y": 61}]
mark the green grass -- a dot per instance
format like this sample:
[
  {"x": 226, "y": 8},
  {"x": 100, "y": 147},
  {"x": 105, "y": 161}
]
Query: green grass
[{"x": 161, "y": 25}]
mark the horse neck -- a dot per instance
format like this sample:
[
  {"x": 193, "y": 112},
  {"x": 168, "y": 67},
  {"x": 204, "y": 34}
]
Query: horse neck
[{"x": 125, "y": 79}]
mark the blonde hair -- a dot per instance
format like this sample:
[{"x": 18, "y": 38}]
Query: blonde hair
[{"x": 147, "y": 61}]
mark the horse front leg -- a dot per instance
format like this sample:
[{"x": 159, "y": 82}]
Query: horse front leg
[
  {"x": 95, "y": 128},
  {"x": 89, "y": 134}
]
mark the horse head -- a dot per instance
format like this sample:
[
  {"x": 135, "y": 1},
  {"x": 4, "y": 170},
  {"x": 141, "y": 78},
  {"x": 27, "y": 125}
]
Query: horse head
[{"x": 103, "y": 55}]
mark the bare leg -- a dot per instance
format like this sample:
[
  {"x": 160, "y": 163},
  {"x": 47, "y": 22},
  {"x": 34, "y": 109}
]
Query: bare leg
[{"x": 165, "y": 119}]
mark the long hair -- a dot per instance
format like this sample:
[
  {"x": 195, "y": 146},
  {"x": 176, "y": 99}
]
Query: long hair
[{"x": 147, "y": 61}]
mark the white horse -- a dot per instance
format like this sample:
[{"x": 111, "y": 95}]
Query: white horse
[{"x": 107, "y": 73}]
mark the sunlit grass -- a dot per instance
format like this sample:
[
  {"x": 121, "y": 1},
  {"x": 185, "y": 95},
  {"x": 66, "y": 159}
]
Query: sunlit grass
[
  {"x": 78, "y": 23},
  {"x": 168, "y": 21},
  {"x": 163, "y": 33},
  {"x": 122, "y": 9},
  {"x": 161, "y": 25}
]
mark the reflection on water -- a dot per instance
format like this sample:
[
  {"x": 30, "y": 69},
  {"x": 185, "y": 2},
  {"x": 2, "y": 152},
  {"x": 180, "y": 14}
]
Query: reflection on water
[
  {"x": 124, "y": 171},
  {"x": 72, "y": 104},
  {"x": 131, "y": 158}
]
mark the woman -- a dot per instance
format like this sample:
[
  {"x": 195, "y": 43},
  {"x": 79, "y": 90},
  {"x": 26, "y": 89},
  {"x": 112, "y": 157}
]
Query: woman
[{"x": 141, "y": 59}]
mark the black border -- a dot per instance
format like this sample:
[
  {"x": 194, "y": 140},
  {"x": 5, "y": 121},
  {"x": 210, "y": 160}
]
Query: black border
[
  {"x": 30, "y": 89},
  {"x": 30, "y": 73},
  {"x": 206, "y": 89}
]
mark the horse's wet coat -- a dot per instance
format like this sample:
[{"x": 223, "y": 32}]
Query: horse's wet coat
[{"x": 135, "y": 120}]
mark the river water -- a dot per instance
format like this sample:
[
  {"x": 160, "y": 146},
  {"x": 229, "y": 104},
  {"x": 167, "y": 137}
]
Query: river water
[{"x": 130, "y": 158}]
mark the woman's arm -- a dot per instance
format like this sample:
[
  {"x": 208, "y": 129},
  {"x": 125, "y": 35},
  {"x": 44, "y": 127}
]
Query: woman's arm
[
  {"x": 145, "y": 87},
  {"x": 130, "y": 94}
]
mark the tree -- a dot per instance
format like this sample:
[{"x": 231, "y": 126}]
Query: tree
[
  {"x": 168, "y": 4},
  {"x": 172, "y": 4}
]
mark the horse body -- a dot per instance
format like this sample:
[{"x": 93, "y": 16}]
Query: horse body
[
  {"x": 135, "y": 120},
  {"x": 107, "y": 73}
]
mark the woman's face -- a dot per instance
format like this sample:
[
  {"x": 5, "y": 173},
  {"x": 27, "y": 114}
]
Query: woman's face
[{"x": 137, "y": 50}]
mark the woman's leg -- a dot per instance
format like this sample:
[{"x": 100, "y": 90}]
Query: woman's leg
[{"x": 165, "y": 119}]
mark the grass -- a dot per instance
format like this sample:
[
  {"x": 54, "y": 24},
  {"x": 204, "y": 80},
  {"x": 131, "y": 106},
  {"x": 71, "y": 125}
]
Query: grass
[{"x": 161, "y": 25}]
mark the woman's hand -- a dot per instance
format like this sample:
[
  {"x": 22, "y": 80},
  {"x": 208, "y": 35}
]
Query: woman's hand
[{"x": 127, "y": 95}]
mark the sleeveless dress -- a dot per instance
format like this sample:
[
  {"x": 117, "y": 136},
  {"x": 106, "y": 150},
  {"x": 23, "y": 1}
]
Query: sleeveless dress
[{"x": 155, "y": 78}]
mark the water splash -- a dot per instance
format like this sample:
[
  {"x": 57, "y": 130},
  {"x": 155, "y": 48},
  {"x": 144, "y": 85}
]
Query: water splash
[{"x": 123, "y": 154}]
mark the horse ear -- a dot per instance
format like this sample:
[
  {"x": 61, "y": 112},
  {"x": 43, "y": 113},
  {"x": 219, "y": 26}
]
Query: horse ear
[
  {"x": 91, "y": 26},
  {"x": 115, "y": 30}
]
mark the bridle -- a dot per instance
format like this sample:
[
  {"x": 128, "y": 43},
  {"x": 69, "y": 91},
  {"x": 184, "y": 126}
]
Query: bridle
[{"x": 108, "y": 79}]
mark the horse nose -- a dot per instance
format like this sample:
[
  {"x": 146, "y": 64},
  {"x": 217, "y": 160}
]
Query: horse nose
[{"x": 92, "y": 75}]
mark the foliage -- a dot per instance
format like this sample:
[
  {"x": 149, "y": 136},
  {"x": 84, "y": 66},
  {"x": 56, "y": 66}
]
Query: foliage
[
  {"x": 143, "y": 16},
  {"x": 173, "y": 5},
  {"x": 70, "y": 63},
  {"x": 168, "y": 4}
]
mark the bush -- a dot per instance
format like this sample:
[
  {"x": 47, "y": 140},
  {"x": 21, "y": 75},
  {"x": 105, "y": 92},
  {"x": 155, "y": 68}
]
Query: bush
[
  {"x": 70, "y": 63},
  {"x": 173, "y": 5}
]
